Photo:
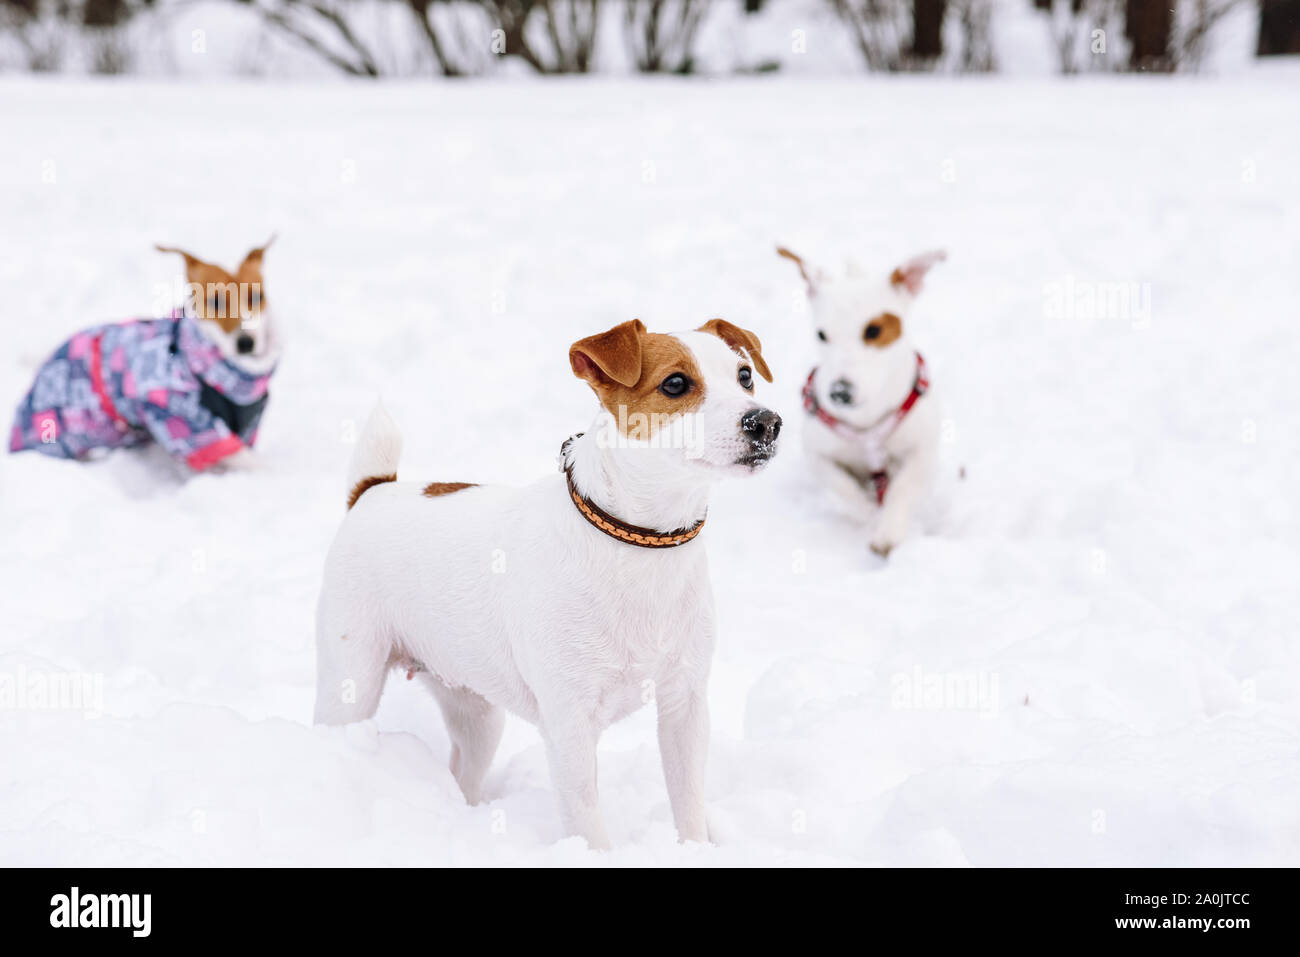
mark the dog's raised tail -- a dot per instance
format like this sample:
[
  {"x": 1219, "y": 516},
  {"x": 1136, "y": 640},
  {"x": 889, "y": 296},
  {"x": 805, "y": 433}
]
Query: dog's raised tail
[{"x": 374, "y": 461}]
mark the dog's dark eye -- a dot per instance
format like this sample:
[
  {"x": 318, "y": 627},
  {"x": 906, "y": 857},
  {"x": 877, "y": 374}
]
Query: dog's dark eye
[
  {"x": 871, "y": 332},
  {"x": 675, "y": 386},
  {"x": 217, "y": 302},
  {"x": 746, "y": 378},
  {"x": 821, "y": 334},
  {"x": 254, "y": 299}
]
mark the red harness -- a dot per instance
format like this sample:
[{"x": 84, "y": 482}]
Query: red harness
[{"x": 878, "y": 431}]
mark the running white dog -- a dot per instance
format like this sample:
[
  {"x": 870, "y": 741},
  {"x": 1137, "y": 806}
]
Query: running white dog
[
  {"x": 872, "y": 433},
  {"x": 572, "y": 601}
]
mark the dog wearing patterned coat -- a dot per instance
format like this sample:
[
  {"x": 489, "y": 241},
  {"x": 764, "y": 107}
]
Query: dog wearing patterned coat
[{"x": 196, "y": 383}]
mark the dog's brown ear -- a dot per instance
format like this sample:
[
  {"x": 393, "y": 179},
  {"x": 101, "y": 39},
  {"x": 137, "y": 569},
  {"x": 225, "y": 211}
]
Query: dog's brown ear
[
  {"x": 609, "y": 357},
  {"x": 254, "y": 257},
  {"x": 804, "y": 269},
  {"x": 741, "y": 340},
  {"x": 196, "y": 269},
  {"x": 911, "y": 274},
  {"x": 190, "y": 260}
]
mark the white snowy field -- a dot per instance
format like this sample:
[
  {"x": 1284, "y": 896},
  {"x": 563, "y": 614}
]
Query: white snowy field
[{"x": 1114, "y": 336}]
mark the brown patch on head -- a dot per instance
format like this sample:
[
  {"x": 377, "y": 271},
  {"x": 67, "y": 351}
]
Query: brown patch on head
[
  {"x": 434, "y": 489},
  {"x": 366, "y": 484},
  {"x": 741, "y": 341},
  {"x": 882, "y": 330},
  {"x": 227, "y": 299},
  {"x": 625, "y": 367}
]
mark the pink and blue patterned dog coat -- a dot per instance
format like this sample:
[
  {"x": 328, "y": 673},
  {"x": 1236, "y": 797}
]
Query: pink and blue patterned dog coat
[{"x": 144, "y": 380}]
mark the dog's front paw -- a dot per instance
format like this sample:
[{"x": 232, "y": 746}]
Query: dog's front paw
[
  {"x": 888, "y": 534},
  {"x": 887, "y": 537}
]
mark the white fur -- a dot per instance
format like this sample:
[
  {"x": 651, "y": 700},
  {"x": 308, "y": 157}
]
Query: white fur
[
  {"x": 266, "y": 340},
  {"x": 511, "y": 601},
  {"x": 378, "y": 450},
  {"x": 881, "y": 379}
]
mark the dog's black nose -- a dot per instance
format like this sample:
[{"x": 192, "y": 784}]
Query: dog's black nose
[
  {"x": 245, "y": 344},
  {"x": 761, "y": 425},
  {"x": 842, "y": 392}
]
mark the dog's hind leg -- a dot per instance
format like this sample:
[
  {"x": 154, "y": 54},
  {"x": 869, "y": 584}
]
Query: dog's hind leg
[
  {"x": 475, "y": 727},
  {"x": 351, "y": 666}
]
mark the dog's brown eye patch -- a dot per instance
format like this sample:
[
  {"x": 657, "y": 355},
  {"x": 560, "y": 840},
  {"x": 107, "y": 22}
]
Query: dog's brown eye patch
[
  {"x": 882, "y": 330},
  {"x": 222, "y": 304},
  {"x": 640, "y": 408}
]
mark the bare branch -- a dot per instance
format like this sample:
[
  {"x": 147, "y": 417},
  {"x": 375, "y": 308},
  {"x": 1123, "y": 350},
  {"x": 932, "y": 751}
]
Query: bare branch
[{"x": 286, "y": 20}]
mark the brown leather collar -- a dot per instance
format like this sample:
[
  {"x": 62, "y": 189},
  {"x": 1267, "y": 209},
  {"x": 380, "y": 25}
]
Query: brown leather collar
[{"x": 617, "y": 528}]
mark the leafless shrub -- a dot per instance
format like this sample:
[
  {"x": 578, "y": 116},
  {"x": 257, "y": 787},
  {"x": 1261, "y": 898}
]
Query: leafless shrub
[
  {"x": 976, "y": 18},
  {"x": 1084, "y": 33},
  {"x": 457, "y": 33},
  {"x": 551, "y": 36},
  {"x": 660, "y": 34},
  {"x": 45, "y": 29},
  {"x": 879, "y": 29},
  {"x": 1141, "y": 36},
  {"x": 38, "y": 31},
  {"x": 105, "y": 23},
  {"x": 321, "y": 26},
  {"x": 1192, "y": 33},
  {"x": 908, "y": 35}
]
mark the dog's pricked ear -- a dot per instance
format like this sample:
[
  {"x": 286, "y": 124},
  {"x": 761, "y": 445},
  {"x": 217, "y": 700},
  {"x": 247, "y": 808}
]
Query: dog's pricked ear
[
  {"x": 804, "y": 269},
  {"x": 612, "y": 356},
  {"x": 190, "y": 259},
  {"x": 741, "y": 340},
  {"x": 254, "y": 257},
  {"x": 911, "y": 274},
  {"x": 196, "y": 270}
]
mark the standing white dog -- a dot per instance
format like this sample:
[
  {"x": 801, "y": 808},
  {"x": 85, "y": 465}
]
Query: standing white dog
[
  {"x": 570, "y": 602},
  {"x": 872, "y": 432}
]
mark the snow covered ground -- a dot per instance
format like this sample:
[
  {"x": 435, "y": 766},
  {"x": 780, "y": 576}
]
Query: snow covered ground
[{"x": 1088, "y": 655}]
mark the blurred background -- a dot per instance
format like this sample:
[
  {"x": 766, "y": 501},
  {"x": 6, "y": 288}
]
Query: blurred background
[{"x": 476, "y": 38}]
